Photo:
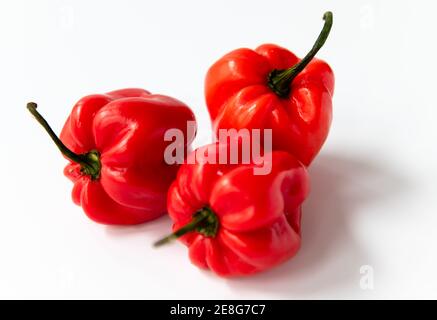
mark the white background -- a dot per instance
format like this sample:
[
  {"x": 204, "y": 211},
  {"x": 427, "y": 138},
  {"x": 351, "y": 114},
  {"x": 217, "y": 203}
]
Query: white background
[{"x": 373, "y": 185}]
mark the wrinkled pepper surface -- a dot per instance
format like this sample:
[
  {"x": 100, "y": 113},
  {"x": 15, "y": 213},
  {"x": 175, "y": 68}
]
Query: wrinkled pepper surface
[
  {"x": 233, "y": 221},
  {"x": 115, "y": 144},
  {"x": 271, "y": 88}
]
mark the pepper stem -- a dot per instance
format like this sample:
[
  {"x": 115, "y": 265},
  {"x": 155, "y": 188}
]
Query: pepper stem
[
  {"x": 204, "y": 221},
  {"x": 89, "y": 162},
  {"x": 279, "y": 80}
]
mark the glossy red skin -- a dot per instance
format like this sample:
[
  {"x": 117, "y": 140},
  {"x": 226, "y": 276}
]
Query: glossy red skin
[
  {"x": 237, "y": 96},
  {"x": 127, "y": 128},
  {"x": 259, "y": 215}
]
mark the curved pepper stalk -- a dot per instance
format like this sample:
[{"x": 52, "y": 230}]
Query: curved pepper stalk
[
  {"x": 271, "y": 88},
  {"x": 116, "y": 147},
  {"x": 233, "y": 221}
]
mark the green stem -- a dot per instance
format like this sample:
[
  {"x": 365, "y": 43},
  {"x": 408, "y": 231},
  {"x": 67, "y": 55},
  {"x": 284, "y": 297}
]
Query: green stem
[
  {"x": 89, "y": 162},
  {"x": 279, "y": 80},
  {"x": 204, "y": 221}
]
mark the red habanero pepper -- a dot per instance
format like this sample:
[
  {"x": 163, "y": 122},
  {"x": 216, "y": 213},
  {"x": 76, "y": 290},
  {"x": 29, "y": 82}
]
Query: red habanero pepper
[
  {"x": 234, "y": 221},
  {"x": 115, "y": 144},
  {"x": 271, "y": 88}
]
